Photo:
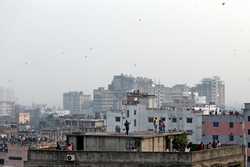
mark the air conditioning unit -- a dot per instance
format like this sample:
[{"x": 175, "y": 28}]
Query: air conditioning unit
[{"x": 70, "y": 157}]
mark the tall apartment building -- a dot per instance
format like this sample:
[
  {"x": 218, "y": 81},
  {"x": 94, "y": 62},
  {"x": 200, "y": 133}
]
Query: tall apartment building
[
  {"x": 213, "y": 89},
  {"x": 145, "y": 85},
  {"x": 103, "y": 100},
  {"x": 76, "y": 102},
  {"x": 122, "y": 83},
  {"x": 7, "y": 102}
]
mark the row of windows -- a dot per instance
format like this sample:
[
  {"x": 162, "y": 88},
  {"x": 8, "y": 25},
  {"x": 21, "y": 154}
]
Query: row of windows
[
  {"x": 217, "y": 124},
  {"x": 230, "y": 137},
  {"x": 128, "y": 113},
  {"x": 118, "y": 119},
  {"x": 151, "y": 119}
]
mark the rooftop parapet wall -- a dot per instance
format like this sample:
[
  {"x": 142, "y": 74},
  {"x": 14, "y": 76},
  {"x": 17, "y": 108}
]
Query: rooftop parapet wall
[
  {"x": 50, "y": 157},
  {"x": 223, "y": 155}
]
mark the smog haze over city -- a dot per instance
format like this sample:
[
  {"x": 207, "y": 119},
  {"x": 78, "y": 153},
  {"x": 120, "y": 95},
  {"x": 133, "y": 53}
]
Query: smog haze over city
[{"x": 49, "y": 47}]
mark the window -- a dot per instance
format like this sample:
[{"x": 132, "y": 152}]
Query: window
[
  {"x": 189, "y": 120},
  {"x": 248, "y": 118},
  {"x": 117, "y": 119},
  {"x": 127, "y": 113},
  {"x": 1, "y": 161},
  {"x": 248, "y": 131},
  {"x": 216, "y": 124},
  {"x": 174, "y": 120},
  {"x": 215, "y": 137},
  {"x": 231, "y": 138},
  {"x": 134, "y": 112},
  {"x": 117, "y": 129},
  {"x": 150, "y": 119},
  {"x": 180, "y": 118},
  {"x": 248, "y": 159},
  {"x": 231, "y": 124},
  {"x": 15, "y": 158},
  {"x": 163, "y": 118},
  {"x": 134, "y": 122},
  {"x": 248, "y": 145}
]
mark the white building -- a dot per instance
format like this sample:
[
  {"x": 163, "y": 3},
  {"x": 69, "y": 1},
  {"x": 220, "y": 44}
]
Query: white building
[{"x": 141, "y": 113}]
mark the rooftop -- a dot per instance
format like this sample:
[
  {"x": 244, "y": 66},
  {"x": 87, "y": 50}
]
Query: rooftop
[{"x": 144, "y": 134}]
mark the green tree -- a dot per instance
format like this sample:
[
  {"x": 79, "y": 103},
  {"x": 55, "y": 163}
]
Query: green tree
[{"x": 180, "y": 142}]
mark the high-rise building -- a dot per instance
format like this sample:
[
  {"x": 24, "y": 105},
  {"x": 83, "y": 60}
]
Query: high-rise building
[
  {"x": 213, "y": 89},
  {"x": 103, "y": 100},
  {"x": 122, "y": 83},
  {"x": 7, "y": 102},
  {"x": 76, "y": 102}
]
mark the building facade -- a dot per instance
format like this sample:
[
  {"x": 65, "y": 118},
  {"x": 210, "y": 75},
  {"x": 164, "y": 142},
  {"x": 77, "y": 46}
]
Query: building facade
[
  {"x": 140, "y": 111},
  {"x": 76, "y": 102},
  {"x": 213, "y": 89},
  {"x": 228, "y": 128},
  {"x": 103, "y": 100}
]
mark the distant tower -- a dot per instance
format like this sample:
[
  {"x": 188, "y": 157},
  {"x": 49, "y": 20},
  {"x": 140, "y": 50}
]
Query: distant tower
[
  {"x": 214, "y": 90},
  {"x": 7, "y": 102}
]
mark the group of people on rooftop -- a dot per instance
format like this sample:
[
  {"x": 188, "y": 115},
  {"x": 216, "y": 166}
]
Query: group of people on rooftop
[
  {"x": 215, "y": 144},
  {"x": 159, "y": 124}
]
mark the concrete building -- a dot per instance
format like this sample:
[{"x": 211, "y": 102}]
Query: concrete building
[
  {"x": 76, "y": 102},
  {"x": 141, "y": 109},
  {"x": 151, "y": 150},
  {"x": 71, "y": 124},
  {"x": 7, "y": 102},
  {"x": 135, "y": 142},
  {"x": 228, "y": 128},
  {"x": 145, "y": 85},
  {"x": 103, "y": 100},
  {"x": 214, "y": 91},
  {"x": 122, "y": 83}
]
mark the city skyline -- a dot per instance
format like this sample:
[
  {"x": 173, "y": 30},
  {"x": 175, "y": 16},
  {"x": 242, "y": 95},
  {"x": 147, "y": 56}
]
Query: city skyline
[
  {"x": 52, "y": 47},
  {"x": 107, "y": 87}
]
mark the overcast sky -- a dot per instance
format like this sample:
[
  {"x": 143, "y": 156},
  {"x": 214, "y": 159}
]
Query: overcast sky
[{"x": 51, "y": 46}]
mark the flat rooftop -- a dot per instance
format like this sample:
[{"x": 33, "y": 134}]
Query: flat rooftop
[{"x": 145, "y": 134}]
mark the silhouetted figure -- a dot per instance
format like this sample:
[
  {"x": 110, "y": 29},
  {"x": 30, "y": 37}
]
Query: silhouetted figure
[
  {"x": 58, "y": 147},
  {"x": 201, "y": 146},
  {"x": 126, "y": 124},
  {"x": 214, "y": 144}
]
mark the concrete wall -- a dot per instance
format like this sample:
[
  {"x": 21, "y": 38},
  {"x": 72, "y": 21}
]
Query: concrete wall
[
  {"x": 221, "y": 156},
  {"x": 121, "y": 143},
  {"x": 107, "y": 159}
]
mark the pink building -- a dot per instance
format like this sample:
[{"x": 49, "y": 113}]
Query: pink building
[{"x": 228, "y": 128}]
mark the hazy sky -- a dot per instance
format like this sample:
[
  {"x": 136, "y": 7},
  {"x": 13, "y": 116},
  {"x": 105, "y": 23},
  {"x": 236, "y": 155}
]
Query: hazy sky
[{"x": 51, "y": 46}]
